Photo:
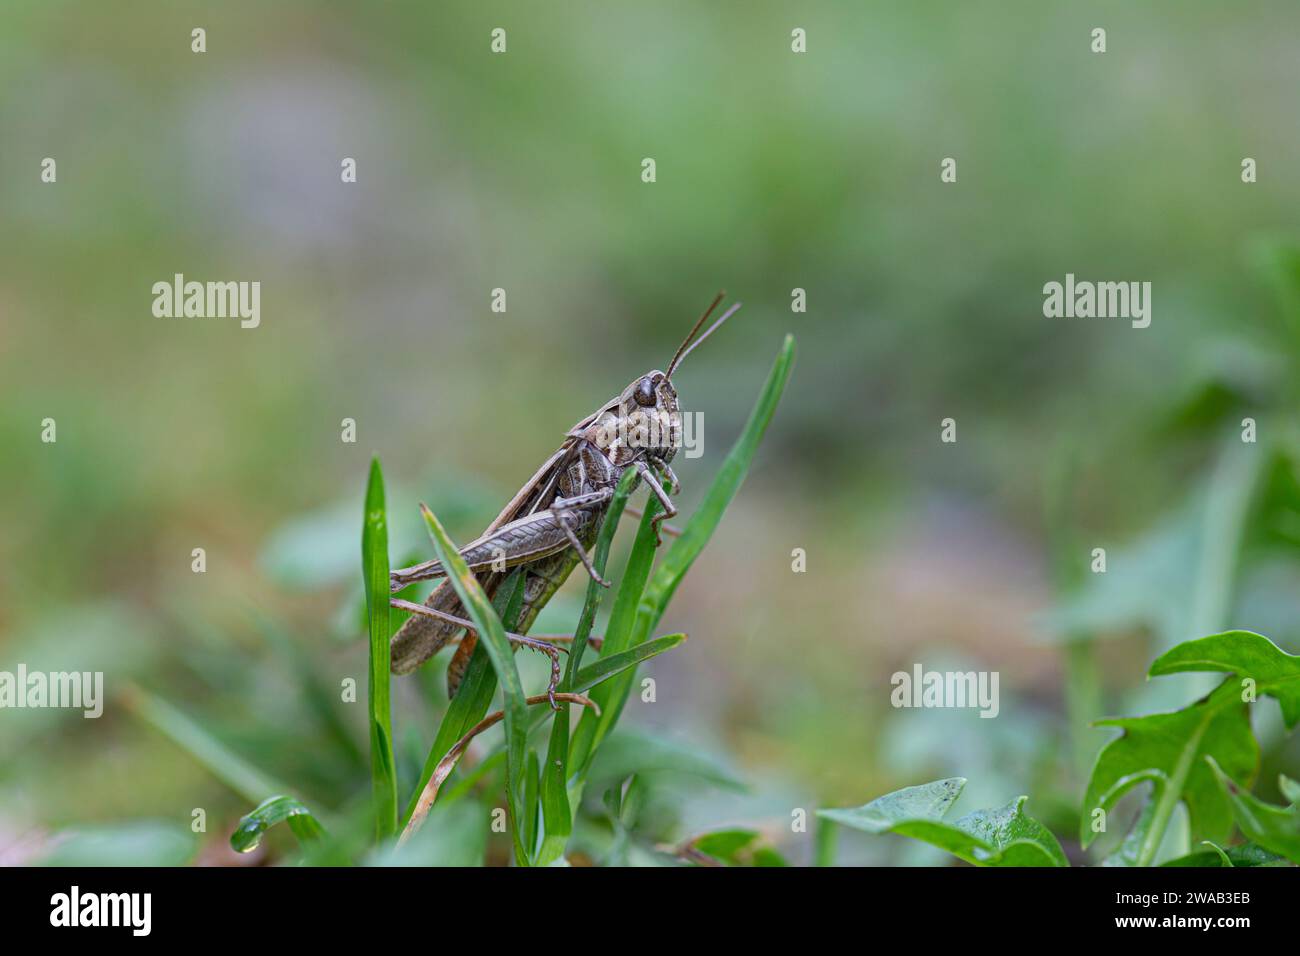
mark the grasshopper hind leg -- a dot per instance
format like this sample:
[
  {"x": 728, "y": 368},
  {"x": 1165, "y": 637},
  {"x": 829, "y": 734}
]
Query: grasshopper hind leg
[
  {"x": 456, "y": 669},
  {"x": 422, "y": 636},
  {"x": 460, "y": 662}
]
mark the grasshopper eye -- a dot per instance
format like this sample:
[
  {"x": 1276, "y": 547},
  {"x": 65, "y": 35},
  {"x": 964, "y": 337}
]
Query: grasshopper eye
[{"x": 645, "y": 392}]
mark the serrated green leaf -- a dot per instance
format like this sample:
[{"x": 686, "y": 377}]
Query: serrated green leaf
[
  {"x": 1218, "y": 851},
  {"x": 1167, "y": 750},
  {"x": 928, "y": 801},
  {"x": 1004, "y": 836},
  {"x": 1245, "y": 855},
  {"x": 1247, "y": 655},
  {"x": 1272, "y": 827},
  {"x": 1131, "y": 846}
]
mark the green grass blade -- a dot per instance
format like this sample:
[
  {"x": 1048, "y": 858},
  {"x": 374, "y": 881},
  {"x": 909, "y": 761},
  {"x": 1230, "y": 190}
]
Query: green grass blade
[
  {"x": 374, "y": 560},
  {"x": 268, "y": 813},
  {"x": 224, "y": 764},
  {"x": 556, "y": 812},
  {"x": 607, "y": 667},
  {"x": 492, "y": 634},
  {"x": 600, "y": 557},
  {"x": 631, "y": 585},
  {"x": 683, "y": 552},
  {"x": 474, "y": 697},
  {"x": 1275, "y": 828},
  {"x": 532, "y": 798},
  {"x": 824, "y": 840}
]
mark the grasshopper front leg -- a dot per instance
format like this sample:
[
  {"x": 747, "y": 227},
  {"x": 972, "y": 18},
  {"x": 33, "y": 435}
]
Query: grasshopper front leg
[
  {"x": 670, "y": 509},
  {"x": 674, "y": 485},
  {"x": 561, "y": 509}
]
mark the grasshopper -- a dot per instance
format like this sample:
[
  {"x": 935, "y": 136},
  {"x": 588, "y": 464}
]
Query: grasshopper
[{"x": 551, "y": 522}]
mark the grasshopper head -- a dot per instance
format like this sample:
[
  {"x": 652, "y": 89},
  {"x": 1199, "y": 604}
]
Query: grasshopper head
[
  {"x": 642, "y": 420},
  {"x": 652, "y": 419},
  {"x": 645, "y": 419}
]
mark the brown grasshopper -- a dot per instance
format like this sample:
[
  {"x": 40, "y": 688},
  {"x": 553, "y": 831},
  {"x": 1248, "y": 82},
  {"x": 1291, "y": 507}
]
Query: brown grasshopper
[{"x": 551, "y": 523}]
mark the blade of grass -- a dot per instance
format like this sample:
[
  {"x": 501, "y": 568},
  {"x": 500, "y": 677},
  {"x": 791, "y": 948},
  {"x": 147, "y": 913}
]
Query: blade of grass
[
  {"x": 683, "y": 552},
  {"x": 492, "y": 634},
  {"x": 268, "y": 813},
  {"x": 588, "y": 677},
  {"x": 630, "y": 586},
  {"x": 824, "y": 839},
  {"x": 556, "y": 812},
  {"x": 374, "y": 560},
  {"x": 532, "y": 797},
  {"x": 448, "y": 763},
  {"x": 557, "y": 801},
  {"x": 471, "y": 702},
  {"x": 607, "y": 667}
]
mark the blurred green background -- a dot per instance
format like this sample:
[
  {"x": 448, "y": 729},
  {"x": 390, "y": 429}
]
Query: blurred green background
[{"x": 522, "y": 171}]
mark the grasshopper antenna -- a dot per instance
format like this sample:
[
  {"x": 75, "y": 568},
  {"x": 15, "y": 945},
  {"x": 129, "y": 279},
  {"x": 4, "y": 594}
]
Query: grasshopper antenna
[
  {"x": 690, "y": 334},
  {"x": 683, "y": 352},
  {"x": 681, "y": 349}
]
